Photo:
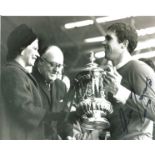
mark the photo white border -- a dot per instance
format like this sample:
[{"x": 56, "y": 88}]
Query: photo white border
[{"x": 74, "y": 8}]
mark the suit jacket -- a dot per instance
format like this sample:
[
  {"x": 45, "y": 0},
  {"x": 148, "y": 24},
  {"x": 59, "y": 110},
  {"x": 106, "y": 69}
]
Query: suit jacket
[
  {"x": 22, "y": 110},
  {"x": 53, "y": 95}
]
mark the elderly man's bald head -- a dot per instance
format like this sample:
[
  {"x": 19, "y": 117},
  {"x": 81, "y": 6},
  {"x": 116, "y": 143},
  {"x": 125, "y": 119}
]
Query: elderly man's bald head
[
  {"x": 54, "y": 54},
  {"x": 51, "y": 63}
]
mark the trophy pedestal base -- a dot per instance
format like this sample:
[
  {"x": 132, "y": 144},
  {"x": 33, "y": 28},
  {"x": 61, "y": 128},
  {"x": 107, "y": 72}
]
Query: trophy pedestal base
[{"x": 93, "y": 124}]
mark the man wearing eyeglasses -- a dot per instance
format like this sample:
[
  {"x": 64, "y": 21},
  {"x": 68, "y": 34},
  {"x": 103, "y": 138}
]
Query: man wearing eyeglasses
[
  {"x": 51, "y": 63},
  {"x": 48, "y": 73}
]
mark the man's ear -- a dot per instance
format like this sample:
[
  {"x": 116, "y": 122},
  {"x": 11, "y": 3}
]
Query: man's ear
[{"x": 125, "y": 43}]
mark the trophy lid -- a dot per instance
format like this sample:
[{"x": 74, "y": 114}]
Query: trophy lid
[{"x": 92, "y": 66}]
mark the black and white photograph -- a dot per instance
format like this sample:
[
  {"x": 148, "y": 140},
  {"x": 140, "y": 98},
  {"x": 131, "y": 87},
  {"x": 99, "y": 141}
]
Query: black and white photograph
[{"x": 77, "y": 79}]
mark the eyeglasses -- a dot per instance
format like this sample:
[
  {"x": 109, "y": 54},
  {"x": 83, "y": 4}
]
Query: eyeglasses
[{"x": 52, "y": 64}]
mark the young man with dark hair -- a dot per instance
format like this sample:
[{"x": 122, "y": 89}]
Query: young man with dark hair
[{"x": 131, "y": 86}]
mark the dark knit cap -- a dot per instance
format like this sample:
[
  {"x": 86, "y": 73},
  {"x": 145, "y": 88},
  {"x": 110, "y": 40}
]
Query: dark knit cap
[{"x": 19, "y": 38}]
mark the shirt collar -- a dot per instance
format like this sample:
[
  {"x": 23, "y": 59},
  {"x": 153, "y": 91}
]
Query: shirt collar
[{"x": 122, "y": 63}]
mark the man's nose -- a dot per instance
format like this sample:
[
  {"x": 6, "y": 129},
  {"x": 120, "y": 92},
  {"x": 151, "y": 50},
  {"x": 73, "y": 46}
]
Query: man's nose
[
  {"x": 56, "y": 69},
  {"x": 37, "y": 54}
]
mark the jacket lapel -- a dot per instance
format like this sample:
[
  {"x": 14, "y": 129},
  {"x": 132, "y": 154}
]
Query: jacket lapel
[{"x": 44, "y": 88}]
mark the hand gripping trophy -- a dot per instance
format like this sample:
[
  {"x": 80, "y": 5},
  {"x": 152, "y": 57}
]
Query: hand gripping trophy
[{"x": 89, "y": 97}]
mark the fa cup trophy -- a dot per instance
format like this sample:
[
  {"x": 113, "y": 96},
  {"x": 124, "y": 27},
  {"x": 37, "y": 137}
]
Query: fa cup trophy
[{"x": 90, "y": 97}]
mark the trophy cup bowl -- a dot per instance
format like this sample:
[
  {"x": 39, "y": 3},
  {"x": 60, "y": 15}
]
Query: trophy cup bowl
[{"x": 91, "y": 103}]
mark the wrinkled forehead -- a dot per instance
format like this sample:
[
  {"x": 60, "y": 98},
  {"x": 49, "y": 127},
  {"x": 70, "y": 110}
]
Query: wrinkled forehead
[{"x": 54, "y": 54}]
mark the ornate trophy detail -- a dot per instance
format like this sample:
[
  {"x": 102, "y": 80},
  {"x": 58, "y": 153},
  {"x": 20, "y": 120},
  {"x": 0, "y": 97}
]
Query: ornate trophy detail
[{"x": 90, "y": 97}]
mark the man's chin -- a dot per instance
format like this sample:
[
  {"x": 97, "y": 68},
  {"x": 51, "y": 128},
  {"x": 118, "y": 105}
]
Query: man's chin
[{"x": 53, "y": 78}]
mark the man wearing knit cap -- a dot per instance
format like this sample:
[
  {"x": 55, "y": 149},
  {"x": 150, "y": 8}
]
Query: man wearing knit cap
[
  {"x": 22, "y": 111},
  {"x": 18, "y": 39}
]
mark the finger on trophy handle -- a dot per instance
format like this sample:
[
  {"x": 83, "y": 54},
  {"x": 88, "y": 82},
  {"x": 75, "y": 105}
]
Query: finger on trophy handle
[
  {"x": 109, "y": 66},
  {"x": 109, "y": 62}
]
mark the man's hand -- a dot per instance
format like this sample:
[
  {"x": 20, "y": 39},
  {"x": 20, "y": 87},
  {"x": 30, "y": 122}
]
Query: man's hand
[{"x": 112, "y": 80}]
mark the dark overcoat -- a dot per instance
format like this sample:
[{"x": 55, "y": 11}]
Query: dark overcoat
[
  {"x": 21, "y": 108},
  {"x": 53, "y": 95}
]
